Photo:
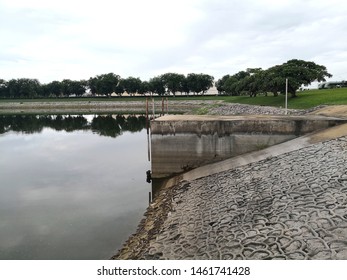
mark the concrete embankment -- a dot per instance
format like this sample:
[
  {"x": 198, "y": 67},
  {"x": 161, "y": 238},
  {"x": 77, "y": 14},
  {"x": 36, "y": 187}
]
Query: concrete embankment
[
  {"x": 289, "y": 202},
  {"x": 291, "y": 206},
  {"x": 285, "y": 202}
]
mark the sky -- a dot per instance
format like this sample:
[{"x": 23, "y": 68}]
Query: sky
[{"x": 73, "y": 39}]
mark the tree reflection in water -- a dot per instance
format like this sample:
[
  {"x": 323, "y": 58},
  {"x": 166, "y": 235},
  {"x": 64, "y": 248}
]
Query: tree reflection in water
[{"x": 105, "y": 125}]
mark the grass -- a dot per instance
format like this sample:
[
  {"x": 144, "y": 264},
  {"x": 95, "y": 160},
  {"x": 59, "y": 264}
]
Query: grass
[
  {"x": 305, "y": 99},
  {"x": 201, "y": 111}
]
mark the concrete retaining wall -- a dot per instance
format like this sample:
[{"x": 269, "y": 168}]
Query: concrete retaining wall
[{"x": 180, "y": 143}]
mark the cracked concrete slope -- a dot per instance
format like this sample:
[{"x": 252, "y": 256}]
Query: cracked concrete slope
[{"x": 285, "y": 202}]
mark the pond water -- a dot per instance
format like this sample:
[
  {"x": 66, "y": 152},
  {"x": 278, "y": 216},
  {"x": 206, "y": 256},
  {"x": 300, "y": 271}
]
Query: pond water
[{"x": 71, "y": 187}]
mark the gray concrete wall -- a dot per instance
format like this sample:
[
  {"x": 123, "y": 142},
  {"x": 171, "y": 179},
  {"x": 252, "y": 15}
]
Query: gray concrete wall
[
  {"x": 173, "y": 154},
  {"x": 181, "y": 143}
]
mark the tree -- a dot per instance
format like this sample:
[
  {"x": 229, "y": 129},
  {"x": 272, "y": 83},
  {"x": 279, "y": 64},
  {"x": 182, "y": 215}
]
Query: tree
[
  {"x": 272, "y": 82},
  {"x": 220, "y": 84},
  {"x": 184, "y": 86},
  {"x": 199, "y": 83},
  {"x": 235, "y": 84},
  {"x": 92, "y": 85},
  {"x": 157, "y": 85},
  {"x": 78, "y": 87},
  {"x": 13, "y": 88},
  {"x": 119, "y": 89},
  {"x": 3, "y": 89},
  {"x": 298, "y": 73},
  {"x": 173, "y": 82},
  {"x": 229, "y": 86},
  {"x": 53, "y": 89},
  {"x": 106, "y": 84},
  {"x": 24, "y": 88},
  {"x": 65, "y": 87},
  {"x": 252, "y": 83},
  {"x": 144, "y": 88},
  {"x": 131, "y": 85}
]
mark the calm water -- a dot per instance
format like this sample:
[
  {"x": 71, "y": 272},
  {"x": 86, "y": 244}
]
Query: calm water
[{"x": 71, "y": 187}]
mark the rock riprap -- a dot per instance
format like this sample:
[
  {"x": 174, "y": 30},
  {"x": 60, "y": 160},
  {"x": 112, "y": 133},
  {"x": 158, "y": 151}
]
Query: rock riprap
[{"x": 245, "y": 109}]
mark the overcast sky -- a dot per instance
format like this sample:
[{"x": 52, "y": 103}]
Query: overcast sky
[{"x": 58, "y": 39}]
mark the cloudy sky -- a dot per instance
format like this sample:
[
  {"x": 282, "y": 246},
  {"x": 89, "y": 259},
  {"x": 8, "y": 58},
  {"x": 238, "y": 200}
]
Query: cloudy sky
[{"x": 58, "y": 39}]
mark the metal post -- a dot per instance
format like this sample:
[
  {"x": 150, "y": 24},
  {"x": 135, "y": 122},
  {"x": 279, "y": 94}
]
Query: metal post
[
  {"x": 153, "y": 107},
  {"x": 148, "y": 148},
  {"x": 147, "y": 125},
  {"x": 286, "y": 105},
  {"x": 162, "y": 106},
  {"x": 167, "y": 106}
]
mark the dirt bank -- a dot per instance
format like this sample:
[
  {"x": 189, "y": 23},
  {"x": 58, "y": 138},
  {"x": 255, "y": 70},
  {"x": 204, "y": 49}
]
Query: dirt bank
[{"x": 79, "y": 107}]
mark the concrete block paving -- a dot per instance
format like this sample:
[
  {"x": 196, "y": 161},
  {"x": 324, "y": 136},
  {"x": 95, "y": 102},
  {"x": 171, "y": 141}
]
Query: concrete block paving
[{"x": 292, "y": 206}]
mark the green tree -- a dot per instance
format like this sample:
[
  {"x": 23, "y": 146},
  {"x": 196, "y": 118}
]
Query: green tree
[
  {"x": 24, "y": 88},
  {"x": 53, "y": 89},
  {"x": 185, "y": 86},
  {"x": 92, "y": 85},
  {"x": 66, "y": 87},
  {"x": 298, "y": 73},
  {"x": 131, "y": 85},
  {"x": 272, "y": 81},
  {"x": 199, "y": 83},
  {"x": 173, "y": 82},
  {"x": 3, "y": 89},
  {"x": 144, "y": 88},
  {"x": 70, "y": 87},
  {"x": 13, "y": 88},
  {"x": 78, "y": 87},
  {"x": 157, "y": 85},
  {"x": 220, "y": 84},
  {"x": 251, "y": 84},
  {"x": 119, "y": 89},
  {"x": 106, "y": 84}
]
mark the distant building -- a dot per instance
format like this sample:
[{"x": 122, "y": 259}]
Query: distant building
[{"x": 327, "y": 85}]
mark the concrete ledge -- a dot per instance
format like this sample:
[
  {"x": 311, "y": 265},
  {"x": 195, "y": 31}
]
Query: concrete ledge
[{"x": 226, "y": 125}]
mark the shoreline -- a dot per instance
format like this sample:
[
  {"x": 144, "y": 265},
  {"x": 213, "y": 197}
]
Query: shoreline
[
  {"x": 91, "y": 107},
  {"x": 149, "y": 227},
  {"x": 198, "y": 107}
]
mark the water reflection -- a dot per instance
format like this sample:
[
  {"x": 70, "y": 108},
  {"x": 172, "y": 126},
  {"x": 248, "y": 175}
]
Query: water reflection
[
  {"x": 107, "y": 125},
  {"x": 66, "y": 191}
]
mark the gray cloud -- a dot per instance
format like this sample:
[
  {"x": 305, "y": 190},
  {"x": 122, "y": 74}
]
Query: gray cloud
[{"x": 147, "y": 38}]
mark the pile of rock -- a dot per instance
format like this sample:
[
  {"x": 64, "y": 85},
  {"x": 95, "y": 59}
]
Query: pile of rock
[{"x": 244, "y": 109}]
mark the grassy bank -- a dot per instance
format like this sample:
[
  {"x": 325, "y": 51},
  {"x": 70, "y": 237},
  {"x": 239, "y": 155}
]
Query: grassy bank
[{"x": 305, "y": 99}]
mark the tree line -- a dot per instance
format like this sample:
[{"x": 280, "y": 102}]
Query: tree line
[
  {"x": 251, "y": 81},
  {"x": 107, "y": 84}
]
